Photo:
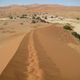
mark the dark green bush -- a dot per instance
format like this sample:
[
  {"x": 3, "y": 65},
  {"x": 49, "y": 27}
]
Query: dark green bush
[
  {"x": 43, "y": 21},
  {"x": 33, "y": 21},
  {"x": 24, "y": 16},
  {"x": 78, "y": 18},
  {"x": 52, "y": 17},
  {"x": 76, "y": 35},
  {"x": 68, "y": 27},
  {"x": 33, "y": 17},
  {"x": 21, "y": 23},
  {"x": 38, "y": 18},
  {"x": 45, "y": 17},
  {"x": 10, "y": 17}
]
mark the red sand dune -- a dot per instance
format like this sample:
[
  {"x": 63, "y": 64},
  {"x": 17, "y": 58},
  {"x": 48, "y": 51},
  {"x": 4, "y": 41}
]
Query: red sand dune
[
  {"x": 44, "y": 54},
  {"x": 72, "y": 11},
  {"x": 8, "y": 49}
]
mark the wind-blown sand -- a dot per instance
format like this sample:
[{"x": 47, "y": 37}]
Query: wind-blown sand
[{"x": 44, "y": 54}]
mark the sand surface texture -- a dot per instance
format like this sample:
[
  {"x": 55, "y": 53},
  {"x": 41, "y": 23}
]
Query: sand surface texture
[{"x": 44, "y": 54}]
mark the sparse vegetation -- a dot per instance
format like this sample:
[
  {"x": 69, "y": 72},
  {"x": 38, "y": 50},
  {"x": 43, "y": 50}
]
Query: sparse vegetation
[
  {"x": 38, "y": 18},
  {"x": 33, "y": 21},
  {"x": 78, "y": 18},
  {"x": 76, "y": 35},
  {"x": 52, "y": 17},
  {"x": 17, "y": 16},
  {"x": 35, "y": 14},
  {"x": 68, "y": 27},
  {"x": 11, "y": 17},
  {"x": 42, "y": 16},
  {"x": 45, "y": 17},
  {"x": 43, "y": 21},
  {"x": 24, "y": 16},
  {"x": 21, "y": 23},
  {"x": 33, "y": 17}
]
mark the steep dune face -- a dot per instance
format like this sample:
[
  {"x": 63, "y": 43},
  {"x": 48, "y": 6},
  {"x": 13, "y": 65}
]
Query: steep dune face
[
  {"x": 44, "y": 54},
  {"x": 8, "y": 49},
  {"x": 16, "y": 68}
]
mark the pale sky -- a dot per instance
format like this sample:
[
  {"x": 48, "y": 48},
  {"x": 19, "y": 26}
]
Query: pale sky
[{"x": 64, "y": 2}]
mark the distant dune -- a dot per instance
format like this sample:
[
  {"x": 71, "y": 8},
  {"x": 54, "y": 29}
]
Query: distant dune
[{"x": 53, "y": 9}]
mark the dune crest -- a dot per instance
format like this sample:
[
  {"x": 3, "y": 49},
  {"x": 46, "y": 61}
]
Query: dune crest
[{"x": 34, "y": 70}]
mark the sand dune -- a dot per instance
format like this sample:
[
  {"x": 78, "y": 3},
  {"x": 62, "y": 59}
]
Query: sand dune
[
  {"x": 72, "y": 11},
  {"x": 8, "y": 49},
  {"x": 44, "y": 54},
  {"x": 55, "y": 47}
]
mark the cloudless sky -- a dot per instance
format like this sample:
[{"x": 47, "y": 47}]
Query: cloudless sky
[{"x": 24, "y": 2}]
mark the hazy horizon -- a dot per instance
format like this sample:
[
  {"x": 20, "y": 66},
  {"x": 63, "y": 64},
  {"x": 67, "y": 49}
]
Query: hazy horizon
[{"x": 24, "y": 2}]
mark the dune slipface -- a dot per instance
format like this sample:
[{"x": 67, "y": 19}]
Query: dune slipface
[
  {"x": 44, "y": 54},
  {"x": 16, "y": 68}
]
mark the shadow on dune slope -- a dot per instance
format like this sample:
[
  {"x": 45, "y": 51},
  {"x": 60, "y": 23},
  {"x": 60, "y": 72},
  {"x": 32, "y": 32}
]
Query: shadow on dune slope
[
  {"x": 51, "y": 72},
  {"x": 16, "y": 68}
]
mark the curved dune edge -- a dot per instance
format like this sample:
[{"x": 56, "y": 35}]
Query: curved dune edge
[
  {"x": 8, "y": 49},
  {"x": 44, "y": 54}
]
